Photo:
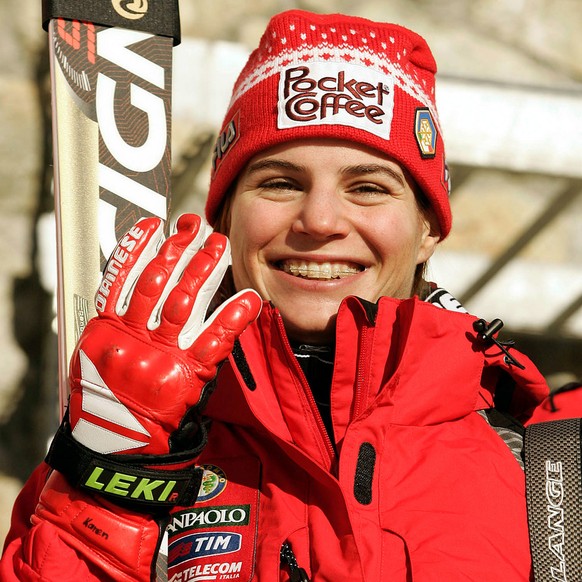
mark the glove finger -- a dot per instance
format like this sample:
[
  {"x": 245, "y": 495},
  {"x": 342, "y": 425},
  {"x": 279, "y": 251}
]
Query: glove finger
[
  {"x": 132, "y": 253},
  {"x": 216, "y": 339},
  {"x": 186, "y": 223},
  {"x": 164, "y": 270},
  {"x": 185, "y": 309}
]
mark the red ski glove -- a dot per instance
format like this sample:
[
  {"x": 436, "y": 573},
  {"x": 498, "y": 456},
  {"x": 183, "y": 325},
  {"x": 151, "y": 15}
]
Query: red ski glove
[
  {"x": 143, "y": 366},
  {"x": 148, "y": 357}
]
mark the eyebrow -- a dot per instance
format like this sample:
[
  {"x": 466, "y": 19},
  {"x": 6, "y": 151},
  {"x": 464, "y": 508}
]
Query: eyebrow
[{"x": 275, "y": 164}]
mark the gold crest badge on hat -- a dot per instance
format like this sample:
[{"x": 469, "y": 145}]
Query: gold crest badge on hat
[{"x": 425, "y": 132}]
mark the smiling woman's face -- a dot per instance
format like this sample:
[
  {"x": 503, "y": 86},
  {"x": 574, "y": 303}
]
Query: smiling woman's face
[{"x": 314, "y": 221}]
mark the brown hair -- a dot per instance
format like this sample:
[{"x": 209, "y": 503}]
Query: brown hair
[{"x": 419, "y": 283}]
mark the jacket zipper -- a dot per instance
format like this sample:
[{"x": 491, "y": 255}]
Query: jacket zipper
[
  {"x": 362, "y": 374},
  {"x": 308, "y": 394}
]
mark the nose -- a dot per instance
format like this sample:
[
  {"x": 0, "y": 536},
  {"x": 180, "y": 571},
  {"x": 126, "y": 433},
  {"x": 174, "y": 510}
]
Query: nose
[{"x": 322, "y": 214}]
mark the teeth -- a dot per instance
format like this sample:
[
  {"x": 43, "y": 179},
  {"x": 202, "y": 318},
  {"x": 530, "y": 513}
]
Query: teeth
[{"x": 312, "y": 270}]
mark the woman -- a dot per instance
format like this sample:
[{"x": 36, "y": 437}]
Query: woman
[{"x": 358, "y": 430}]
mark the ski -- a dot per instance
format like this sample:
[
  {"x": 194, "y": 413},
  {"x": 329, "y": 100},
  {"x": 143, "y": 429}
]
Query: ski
[{"x": 111, "y": 79}]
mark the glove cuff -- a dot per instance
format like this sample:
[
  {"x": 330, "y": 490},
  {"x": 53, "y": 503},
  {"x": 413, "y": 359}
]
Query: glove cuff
[{"x": 143, "y": 483}]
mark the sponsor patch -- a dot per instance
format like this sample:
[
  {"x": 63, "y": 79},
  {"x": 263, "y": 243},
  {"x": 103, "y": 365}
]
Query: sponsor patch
[
  {"x": 201, "y": 545},
  {"x": 336, "y": 94},
  {"x": 425, "y": 132},
  {"x": 217, "y": 542},
  {"x": 210, "y": 571},
  {"x": 213, "y": 483},
  {"x": 225, "y": 141},
  {"x": 200, "y": 517}
]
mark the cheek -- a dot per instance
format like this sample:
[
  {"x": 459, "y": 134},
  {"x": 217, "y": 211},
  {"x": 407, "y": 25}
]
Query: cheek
[
  {"x": 242, "y": 259},
  {"x": 249, "y": 234},
  {"x": 394, "y": 241},
  {"x": 243, "y": 229}
]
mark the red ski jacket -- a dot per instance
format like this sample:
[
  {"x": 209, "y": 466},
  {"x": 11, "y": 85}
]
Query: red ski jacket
[{"x": 416, "y": 486}]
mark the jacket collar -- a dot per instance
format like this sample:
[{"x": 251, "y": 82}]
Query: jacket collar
[{"x": 421, "y": 364}]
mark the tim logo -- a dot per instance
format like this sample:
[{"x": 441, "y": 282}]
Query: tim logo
[
  {"x": 202, "y": 545},
  {"x": 336, "y": 94}
]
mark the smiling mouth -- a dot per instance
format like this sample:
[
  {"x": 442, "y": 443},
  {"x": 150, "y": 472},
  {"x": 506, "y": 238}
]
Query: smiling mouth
[{"x": 314, "y": 270}]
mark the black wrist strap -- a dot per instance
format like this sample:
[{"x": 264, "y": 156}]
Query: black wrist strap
[
  {"x": 145, "y": 483},
  {"x": 553, "y": 471}
]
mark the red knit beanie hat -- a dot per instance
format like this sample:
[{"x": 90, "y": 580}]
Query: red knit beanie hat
[{"x": 336, "y": 76}]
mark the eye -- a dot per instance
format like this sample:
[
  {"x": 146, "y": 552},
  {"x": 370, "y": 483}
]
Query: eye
[
  {"x": 370, "y": 188},
  {"x": 279, "y": 184},
  {"x": 279, "y": 188},
  {"x": 374, "y": 183},
  {"x": 369, "y": 193}
]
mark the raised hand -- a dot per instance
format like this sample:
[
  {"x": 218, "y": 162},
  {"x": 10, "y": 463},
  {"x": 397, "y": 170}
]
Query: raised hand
[{"x": 148, "y": 357}]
